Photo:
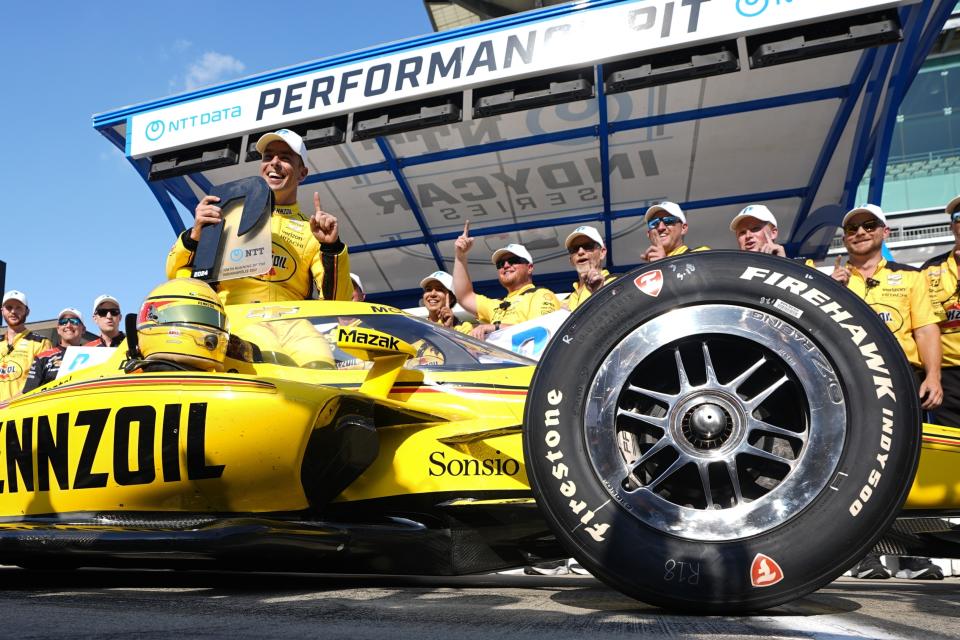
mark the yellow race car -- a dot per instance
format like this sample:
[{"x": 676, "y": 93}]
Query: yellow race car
[{"x": 715, "y": 432}]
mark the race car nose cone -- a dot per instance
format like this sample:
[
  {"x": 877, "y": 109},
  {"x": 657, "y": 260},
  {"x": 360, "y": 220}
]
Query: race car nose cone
[{"x": 707, "y": 422}]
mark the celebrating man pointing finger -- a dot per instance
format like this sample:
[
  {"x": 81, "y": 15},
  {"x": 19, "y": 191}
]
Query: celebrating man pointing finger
[
  {"x": 523, "y": 301},
  {"x": 307, "y": 250}
]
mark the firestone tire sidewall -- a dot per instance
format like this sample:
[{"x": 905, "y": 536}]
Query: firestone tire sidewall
[{"x": 880, "y": 443}]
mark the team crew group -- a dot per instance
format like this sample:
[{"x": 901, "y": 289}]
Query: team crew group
[{"x": 921, "y": 306}]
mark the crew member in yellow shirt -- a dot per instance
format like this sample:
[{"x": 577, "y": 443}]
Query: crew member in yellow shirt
[
  {"x": 897, "y": 292},
  {"x": 523, "y": 301},
  {"x": 945, "y": 295},
  {"x": 666, "y": 228},
  {"x": 20, "y": 347},
  {"x": 587, "y": 253}
]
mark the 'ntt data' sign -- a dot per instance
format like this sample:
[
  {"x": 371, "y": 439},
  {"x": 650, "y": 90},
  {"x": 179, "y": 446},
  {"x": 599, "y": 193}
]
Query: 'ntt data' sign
[{"x": 566, "y": 41}]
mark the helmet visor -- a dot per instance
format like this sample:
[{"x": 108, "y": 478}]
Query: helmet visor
[{"x": 191, "y": 313}]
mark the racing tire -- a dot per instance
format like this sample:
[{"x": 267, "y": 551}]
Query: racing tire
[{"x": 721, "y": 432}]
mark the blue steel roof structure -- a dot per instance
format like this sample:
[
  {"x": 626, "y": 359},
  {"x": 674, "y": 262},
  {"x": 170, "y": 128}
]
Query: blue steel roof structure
[{"x": 797, "y": 136}]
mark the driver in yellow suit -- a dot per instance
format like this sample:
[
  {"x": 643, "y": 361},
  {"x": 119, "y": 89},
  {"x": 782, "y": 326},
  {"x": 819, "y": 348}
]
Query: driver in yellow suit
[{"x": 307, "y": 252}]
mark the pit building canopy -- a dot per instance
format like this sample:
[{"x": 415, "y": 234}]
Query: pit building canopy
[{"x": 584, "y": 113}]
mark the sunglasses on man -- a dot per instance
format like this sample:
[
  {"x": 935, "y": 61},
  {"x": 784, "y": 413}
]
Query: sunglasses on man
[
  {"x": 586, "y": 246},
  {"x": 868, "y": 225},
  {"x": 669, "y": 221},
  {"x": 502, "y": 262},
  {"x": 72, "y": 321},
  {"x": 103, "y": 313},
  {"x": 955, "y": 217}
]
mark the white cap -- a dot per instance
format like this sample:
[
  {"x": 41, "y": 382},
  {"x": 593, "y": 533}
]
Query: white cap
[
  {"x": 872, "y": 209},
  {"x": 952, "y": 206},
  {"x": 758, "y": 211},
  {"x": 292, "y": 138},
  {"x": 516, "y": 249},
  {"x": 586, "y": 231},
  {"x": 442, "y": 277},
  {"x": 13, "y": 294},
  {"x": 75, "y": 312},
  {"x": 356, "y": 281},
  {"x": 670, "y": 208},
  {"x": 104, "y": 298}
]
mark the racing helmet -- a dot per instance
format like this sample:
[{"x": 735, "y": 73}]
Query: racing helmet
[{"x": 183, "y": 321}]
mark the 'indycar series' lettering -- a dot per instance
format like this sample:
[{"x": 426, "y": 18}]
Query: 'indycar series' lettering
[
  {"x": 359, "y": 337},
  {"x": 486, "y": 467},
  {"x": 568, "y": 488},
  {"x": 49, "y": 439}
]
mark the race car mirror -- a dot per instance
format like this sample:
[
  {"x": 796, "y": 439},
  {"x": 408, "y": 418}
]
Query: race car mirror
[{"x": 238, "y": 245}]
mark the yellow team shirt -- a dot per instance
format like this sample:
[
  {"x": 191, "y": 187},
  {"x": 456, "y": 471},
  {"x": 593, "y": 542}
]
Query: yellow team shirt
[
  {"x": 899, "y": 295},
  {"x": 15, "y": 361},
  {"x": 518, "y": 306},
  {"x": 298, "y": 263},
  {"x": 945, "y": 296},
  {"x": 684, "y": 248},
  {"x": 581, "y": 293}
]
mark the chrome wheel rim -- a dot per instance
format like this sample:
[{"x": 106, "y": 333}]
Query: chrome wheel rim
[{"x": 715, "y": 422}]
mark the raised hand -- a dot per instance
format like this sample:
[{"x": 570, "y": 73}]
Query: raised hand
[
  {"x": 840, "y": 272},
  {"x": 205, "y": 214},
  {"x": 322, "y": 224},
  {"x": 771, "y": 247},
  {"x": 593, "y": 280},
  {"x": 656, "y": 250},
  {"x": 464, "y": 243},
  {"x": 447, "y": 318}
]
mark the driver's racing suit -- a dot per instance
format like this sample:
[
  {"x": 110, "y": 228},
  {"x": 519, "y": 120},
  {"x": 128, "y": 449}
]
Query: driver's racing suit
[{"x": 298, "y": 261}]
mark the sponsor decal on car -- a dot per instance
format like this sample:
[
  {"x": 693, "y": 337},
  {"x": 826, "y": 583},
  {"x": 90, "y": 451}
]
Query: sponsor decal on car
[
  {"x": 48, "y": 439},
  {"x": 440, "y": 466}
]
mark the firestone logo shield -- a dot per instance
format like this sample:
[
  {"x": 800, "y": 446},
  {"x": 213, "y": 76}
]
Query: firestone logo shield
[{"x": 650, "y": 283}]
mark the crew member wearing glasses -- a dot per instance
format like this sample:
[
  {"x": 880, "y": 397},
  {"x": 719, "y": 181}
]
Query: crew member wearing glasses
[
  {"x": 587, "y": 253},
  {"x": 945, "y": 295},
  {"x": 897, "y": 292},
  {"x": 47, "y": 363},
  {"x": 666, "y": 228},
  {"x": 523, "y": 301},
  {"x": 900, "y": 296},
  {"x": 106, "y": 315},
  {"x": 20, "y": 347},
  {"x": 307, "y": 251}
]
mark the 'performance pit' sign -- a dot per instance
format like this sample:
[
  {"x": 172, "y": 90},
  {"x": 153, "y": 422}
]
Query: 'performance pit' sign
[{"x": 571, "y": 40}]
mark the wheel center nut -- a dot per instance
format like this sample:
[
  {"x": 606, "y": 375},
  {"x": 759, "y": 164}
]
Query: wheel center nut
[
  {"x": 708, "y": 421},
  {"x": 707, "y": 426}
]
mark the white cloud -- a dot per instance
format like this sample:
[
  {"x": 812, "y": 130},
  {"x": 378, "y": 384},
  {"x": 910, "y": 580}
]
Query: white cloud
[
  {"x": 181, "y": 45},
  {"x": 210, "y": 68}
]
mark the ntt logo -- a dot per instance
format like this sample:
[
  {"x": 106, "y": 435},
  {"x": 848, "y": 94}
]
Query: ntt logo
[
  {"x": 155, "y": 130},
  {"x": 753, "y": 8}
]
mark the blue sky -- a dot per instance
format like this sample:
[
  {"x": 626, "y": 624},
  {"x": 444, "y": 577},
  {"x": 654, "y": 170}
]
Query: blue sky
[{"x": 79, "y": 220}]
